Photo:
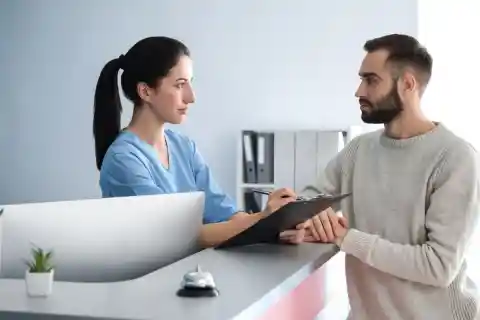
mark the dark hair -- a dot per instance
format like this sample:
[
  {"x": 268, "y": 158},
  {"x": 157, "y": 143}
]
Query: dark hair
[
  {"x": 148, "y": 61},
  {"x": 404, "y": 51}
]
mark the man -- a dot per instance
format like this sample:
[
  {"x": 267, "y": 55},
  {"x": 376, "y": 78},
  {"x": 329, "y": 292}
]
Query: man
[{"x": 415, "y": 201}]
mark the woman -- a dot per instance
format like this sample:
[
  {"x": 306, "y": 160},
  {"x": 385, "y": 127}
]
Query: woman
[{"x": 146, "y": 158}]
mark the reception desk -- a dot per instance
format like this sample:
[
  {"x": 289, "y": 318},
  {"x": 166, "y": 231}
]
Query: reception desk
[
  {"x": 124, "y": 258},
  {"x": 259, "y": 282}
]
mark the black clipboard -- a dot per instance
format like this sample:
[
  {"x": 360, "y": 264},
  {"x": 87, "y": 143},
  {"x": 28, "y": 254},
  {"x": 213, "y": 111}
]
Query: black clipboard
[{"x": 287, "y": 217}]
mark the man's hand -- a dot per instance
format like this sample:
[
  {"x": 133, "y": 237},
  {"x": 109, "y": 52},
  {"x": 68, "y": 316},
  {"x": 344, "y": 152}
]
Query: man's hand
[
  {"x": 326, "y": 227},
  {"x": 339, "y": 226}
]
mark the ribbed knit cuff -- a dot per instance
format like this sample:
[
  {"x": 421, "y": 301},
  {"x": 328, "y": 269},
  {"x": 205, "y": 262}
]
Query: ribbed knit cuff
[{"x": 359, "y": 244}]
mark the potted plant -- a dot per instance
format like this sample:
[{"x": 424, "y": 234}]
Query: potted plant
[{"x": 39, "y": 275}]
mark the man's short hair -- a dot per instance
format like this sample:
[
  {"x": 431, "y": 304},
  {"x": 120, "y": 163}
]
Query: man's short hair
[{"x": 404, "y": 51}]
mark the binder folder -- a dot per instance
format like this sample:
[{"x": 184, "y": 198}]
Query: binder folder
[
  {"x": 265, "y": 153},
  {"x": 288, "y": 217},
  {"x": 249, "y": 156},
  {"x": 253, "y": 201}
]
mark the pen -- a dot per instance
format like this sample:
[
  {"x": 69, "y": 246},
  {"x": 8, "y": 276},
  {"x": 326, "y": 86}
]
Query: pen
[
  {"x": 268, "y": 193},
  {"x": 261, "y": 191}
]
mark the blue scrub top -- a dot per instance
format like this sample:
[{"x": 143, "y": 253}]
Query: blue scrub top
[{"x": 131, "y": 167}]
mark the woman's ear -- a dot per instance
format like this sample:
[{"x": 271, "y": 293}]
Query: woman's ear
[{"x": 144, "y": 91}]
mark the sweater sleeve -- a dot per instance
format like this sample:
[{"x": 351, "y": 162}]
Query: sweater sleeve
[
  {"x": 451, "y": 219},
  {"x": 330, "y": 181}
]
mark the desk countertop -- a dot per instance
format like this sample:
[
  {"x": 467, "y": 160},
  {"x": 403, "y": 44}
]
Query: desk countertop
[{"x": 250, "y": 279}]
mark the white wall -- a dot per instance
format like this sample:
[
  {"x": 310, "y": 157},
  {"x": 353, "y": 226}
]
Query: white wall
[
  {"x": 453, "y": 92},
  {"x": 288, "y": 64},
  {"x": 452, "y": 95}
]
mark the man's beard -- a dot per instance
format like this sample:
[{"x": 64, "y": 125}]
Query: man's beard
[{"x": 383, "y": 111}]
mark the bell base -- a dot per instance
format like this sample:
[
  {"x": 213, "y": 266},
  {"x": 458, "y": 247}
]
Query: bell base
[{"x": 198, "y": 292}]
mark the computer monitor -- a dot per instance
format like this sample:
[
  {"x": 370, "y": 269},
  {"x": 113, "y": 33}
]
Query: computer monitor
[{"x": 102, "y": 240}]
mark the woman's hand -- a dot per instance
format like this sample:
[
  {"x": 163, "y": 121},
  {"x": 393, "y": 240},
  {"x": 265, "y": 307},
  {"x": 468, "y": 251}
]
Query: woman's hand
[
  {"x": 295, "y": 236},
  {"x": 278, "y": 199}
]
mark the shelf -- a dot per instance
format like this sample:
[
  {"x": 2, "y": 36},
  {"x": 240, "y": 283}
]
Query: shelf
[{"x": 296, "y": 159}]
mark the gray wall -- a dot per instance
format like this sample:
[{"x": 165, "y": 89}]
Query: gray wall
[{"x": 289, "y": 64}]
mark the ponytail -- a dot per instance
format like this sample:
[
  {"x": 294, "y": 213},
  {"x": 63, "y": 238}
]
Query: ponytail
[
  {"x": 107, "y": 110},
  {"x": 149, "y": 60}
]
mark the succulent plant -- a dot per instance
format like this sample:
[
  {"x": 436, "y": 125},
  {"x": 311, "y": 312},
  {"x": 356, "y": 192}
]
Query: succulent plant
[{"x": 41, "y": 261}]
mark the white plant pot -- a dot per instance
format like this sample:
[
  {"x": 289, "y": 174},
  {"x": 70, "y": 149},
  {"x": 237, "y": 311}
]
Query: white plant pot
[{"x": 39, "y": 284}]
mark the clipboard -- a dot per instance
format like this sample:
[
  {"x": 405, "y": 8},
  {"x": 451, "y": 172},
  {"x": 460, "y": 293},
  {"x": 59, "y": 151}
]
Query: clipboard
[{"x": 287, "y": 217}]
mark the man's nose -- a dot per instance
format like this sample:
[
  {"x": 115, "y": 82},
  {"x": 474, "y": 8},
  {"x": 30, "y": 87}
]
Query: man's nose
[{"x": 358, "y": 93}]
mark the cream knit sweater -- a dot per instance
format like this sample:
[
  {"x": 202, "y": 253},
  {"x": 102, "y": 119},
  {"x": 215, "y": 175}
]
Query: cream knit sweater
[{"x": 414, "y": 208}]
